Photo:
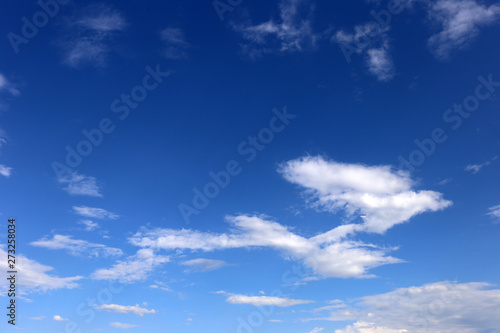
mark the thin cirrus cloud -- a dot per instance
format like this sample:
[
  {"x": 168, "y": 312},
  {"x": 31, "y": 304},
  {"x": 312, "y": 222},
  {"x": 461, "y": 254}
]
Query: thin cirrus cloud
[
  {"x": 121, "y": 325},
  {"x": 372, "y": 41},
  {"x": 291, "y": 33},
  {"x": 175, "y": 43},
  {"x": 8, "y": 86},
  {"x": 263, "y": 300},
  {"x": 89, "y": 225},
  {"x": 132, "y": 269},
  {"x": 381, "y": 196},
  {"x": 98, "y": 213},
  {"x": 445, "y": 307},
  {"x": 77, "y": 247},
  {"x": 494, "y": 212},
  {"x": 135, "y": 309},
  {"x": 461, "y": 22},
  {"x": 78, "y": 184},
  {"x": 34, "y": 277},
  {"x": 90, "y": 35},
  {"x": 203, "y": 265}
]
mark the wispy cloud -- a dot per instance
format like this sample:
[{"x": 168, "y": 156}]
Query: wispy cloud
[
  {"x": 38, "y": 318},
  {"x": 90, "y": 34},
  {"x": 175, "y": 43},
  {"x": 89, "y": 225},
  {"x": 135, "y": 309},
  {"x": 460, "y": 22},
  {"x": 372, "y": 41},
  {"x": 263, "y": 300},
  {"x": 97, "y": 213},
  {"x": 292, "y": 32},
  {"x": 445, "y": 307},
  {"x": 7, "y": 86},
  {"x": 78, "y": 184},
  {"x": 5, "y": 170},
  {"x": 475, "y": 168},
  {"x": 317, "y": 330},
  {"x": 121, "y": 325},
  {"x": 203, "y": 265},
  {"x": 34, "y": 275},
  {"x": 134, "y": 268},
  {"x": 77, "y": 247},
  {"x": 494, "y": 212}
]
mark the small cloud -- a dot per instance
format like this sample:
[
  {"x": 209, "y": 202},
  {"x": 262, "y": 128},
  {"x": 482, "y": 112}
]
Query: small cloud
[
  {"x": 59, "y": 318},
  {"x": 89, "y": 225},
  {"x": 475, "y": 168},
  {"x": 494, "y": 212},
  {"x": 275, "y": 320},
  {"x": 203, "y": 265},
  {"x": 317, "y": 330},
  {"x": 7, "y": 86},
  {"x": 38, "y": 318},
  {"x": 5, "y": 170},
  {"x": 78, "y": 184},
  {"x": 122, "y": 325},
  {"x": 263, "y": 300},
  {"x": 77, "y": 247},
  {"x": 97, "y": 213},
  {"x": 175, "y": 43},
  {"x": 137, "y": 310},
  {"x": 444, "y": 181}
]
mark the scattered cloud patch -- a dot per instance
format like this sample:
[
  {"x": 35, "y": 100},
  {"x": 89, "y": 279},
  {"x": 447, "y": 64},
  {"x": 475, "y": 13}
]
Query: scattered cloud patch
[
  {"x": 90, "y": 35},
  {"x": 475, "y": 168},
  {"x": 264, "y": 300},
  {"x": 134, "y": 268},
  {"x": 136, "y": 309},
  {"x": 317, "y": 330},
  {"x": 203, "y": 265},
  {"x": 292, "y": 32},
  {"x": 494, "y": 212},
  {"x": 78, "y": 184},
  {"x": 59, "y": 318},
  {"x": 5, "y": 170},
  {"x": 460, "y": 22},
  {"x": 97, "y": 213},
  {"x": 77, "y": 247},
  {"x": 7, "y": 86},
  {"x": 38, "y": 318},
  {"x": 175, "y": 43},
  {"x": 121, "y": 325},
  {"x": 89, "y": 225}
]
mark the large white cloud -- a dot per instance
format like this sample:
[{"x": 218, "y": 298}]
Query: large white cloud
[{"x": 381, "y": 196}]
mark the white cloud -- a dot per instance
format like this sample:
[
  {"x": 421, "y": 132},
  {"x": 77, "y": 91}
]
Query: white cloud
[
  {"x": 293, "y": 33},
  {"x": 5, "y": 170},
  {"x": 78, "y": 184},
  {"x": 34, "y": 277},
  {"x": 134, "y": 268},
  {"x": 494, "y": 212},
  {"x": 6, "y": 85},
  {"x": 372, "y": 40},
  {"x": 475, "y": 168},
  {"x": 444, "y": 307},
  {"x": 460, "y": 21},
  {"x": 59, "y": 318},
  {"x": 263, "y": 300},
  {"x": 122, "y": 325},
  {"x": 175, "y": 43},
  {"x": 317, "y": 330},
  {"x": 160, "y": 285},
  {"x": 77, "y": 247},
  {"x": 97, "y": 213},
  {"x": 327, "y": 254},
  {"x": 203, "y": 265},
  {"x": 38, "y": 318},
  {"x": 137, "y": 310},
  {"x": 91, "y": 33},
  {"x": 382, "y": 197},
  {"x": 89, "y": 225}
]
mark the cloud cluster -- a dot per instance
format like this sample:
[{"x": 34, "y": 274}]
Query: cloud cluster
[{"x": 78, "y": 184}]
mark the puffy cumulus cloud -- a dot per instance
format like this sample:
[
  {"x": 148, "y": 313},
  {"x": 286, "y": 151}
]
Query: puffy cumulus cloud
[
  {"x": 445, "y": 307},
  {"x": 34, "y": 277},
  {"x": 291, "y": 33},
  {"x": 98, "y": 213},
  {"x": 328, "y": 254},
  {"x": 382, "y": 196},
  {"x": 77, "y": 247},
  {"x": 135, "y": 309},
  {"x": 460, "y": 21},
  {"x": 59, "y": 318},
  {"x": 203, "y": 265},
  {"x": 134, "y": 268},
  {"x": 263, "y": 300}
]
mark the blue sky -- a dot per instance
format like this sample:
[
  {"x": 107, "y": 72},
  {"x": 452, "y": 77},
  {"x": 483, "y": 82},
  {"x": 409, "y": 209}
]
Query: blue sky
[{"x": 268, "y": 166}]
